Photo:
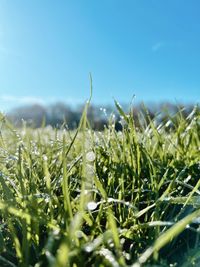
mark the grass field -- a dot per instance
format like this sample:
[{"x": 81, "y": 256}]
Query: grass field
[{"x": 87, "y": 198}]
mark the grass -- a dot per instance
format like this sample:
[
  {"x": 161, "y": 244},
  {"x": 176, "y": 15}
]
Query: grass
[{"x": 87, "y": 198}]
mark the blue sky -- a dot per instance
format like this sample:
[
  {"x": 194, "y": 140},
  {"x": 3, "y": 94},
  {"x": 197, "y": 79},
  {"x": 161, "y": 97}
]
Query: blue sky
[{"x": 149, "y": 48}]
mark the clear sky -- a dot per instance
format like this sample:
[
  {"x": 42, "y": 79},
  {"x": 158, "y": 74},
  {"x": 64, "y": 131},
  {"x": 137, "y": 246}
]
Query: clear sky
[{"x": 150, "y": 48}]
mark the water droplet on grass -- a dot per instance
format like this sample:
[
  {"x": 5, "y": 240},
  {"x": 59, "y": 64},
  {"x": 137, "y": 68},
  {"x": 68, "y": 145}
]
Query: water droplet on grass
[
  {"x": 90, "y": 156},
  {"x": 45, "y": 158},
  {"x": 92, "y": 205}
]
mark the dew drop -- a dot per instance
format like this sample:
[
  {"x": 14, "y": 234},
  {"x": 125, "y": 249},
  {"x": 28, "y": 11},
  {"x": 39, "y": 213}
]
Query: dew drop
[
  {"x": 92, "y": 205},
  {"x": 90, "y": 156}
]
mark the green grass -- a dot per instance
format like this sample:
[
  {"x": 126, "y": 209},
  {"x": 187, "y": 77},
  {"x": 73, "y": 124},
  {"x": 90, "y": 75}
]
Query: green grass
[{"x": 109, "y": 198}]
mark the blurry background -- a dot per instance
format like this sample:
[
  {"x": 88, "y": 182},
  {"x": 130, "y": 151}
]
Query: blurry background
[{"x": 149, "y": 49}]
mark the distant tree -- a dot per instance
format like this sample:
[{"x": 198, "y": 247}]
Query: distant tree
[
  {"x": 34, "y": 115},
  {"x": 59, "y": 113}
]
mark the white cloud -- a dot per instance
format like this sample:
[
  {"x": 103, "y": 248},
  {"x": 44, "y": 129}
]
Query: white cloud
[
  {"x": 8, "y": 52},
  {"x": 13, "y": 100},
  {"x": 3, "y": 50},
  {"x": 172, "y": 44},
  {"x": 21, "y": 100},
  {"x": 158, "y": 46}
]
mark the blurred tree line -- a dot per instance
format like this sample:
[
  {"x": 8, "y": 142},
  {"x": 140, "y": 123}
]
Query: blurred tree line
[{"x": 60, "y": 114}]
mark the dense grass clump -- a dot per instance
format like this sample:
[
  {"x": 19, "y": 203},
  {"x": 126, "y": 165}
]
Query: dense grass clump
[{"x": 87, "y": 198}]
